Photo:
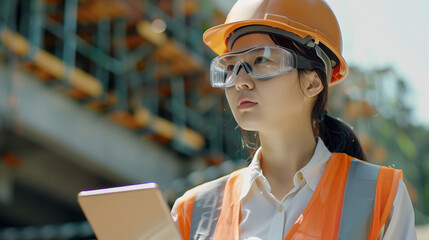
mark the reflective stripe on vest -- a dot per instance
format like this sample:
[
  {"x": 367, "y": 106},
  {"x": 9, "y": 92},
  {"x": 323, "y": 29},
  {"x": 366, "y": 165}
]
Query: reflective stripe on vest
[
  {"x": 358, "y": 202},
  {"x": 207, "y": 207},
  {"x": 351, "y": 215}
]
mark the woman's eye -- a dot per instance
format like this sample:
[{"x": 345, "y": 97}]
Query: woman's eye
[
  {"x": 261, "y": 59},
  {"x": 229, "y": 68}
]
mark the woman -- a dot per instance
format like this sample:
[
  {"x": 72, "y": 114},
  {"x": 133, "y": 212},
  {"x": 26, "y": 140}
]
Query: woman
[{"x": 277, "y": 60}]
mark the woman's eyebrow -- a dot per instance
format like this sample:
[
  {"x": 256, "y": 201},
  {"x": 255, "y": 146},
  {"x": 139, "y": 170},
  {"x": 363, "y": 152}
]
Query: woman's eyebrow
[
  {"x": 246, "y": 55},
  {"x": 233, "y": 58}
]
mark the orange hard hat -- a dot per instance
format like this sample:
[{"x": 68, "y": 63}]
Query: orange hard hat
[{"x": 302, "y": 20}]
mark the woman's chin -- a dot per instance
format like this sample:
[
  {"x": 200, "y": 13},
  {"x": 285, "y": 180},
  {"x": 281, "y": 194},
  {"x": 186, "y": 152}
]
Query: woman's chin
[{"x": 249, "y": 126}]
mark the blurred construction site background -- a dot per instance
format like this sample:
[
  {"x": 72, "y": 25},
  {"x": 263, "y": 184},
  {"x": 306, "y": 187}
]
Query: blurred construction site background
[{"x": 103, "y": 93}]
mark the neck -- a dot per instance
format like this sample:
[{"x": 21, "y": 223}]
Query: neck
[{"x": 286, "y": 152}]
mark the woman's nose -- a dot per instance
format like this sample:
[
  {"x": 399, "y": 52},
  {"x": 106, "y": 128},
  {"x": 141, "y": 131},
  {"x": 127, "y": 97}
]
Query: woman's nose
[{"x": 243, "y": 80}]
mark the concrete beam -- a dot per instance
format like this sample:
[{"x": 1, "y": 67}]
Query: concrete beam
[{"x": 88, "y": 139}]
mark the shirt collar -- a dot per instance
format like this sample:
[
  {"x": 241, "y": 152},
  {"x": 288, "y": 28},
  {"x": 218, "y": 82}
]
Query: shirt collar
[
  {"x": 253, "y": 171},
  {"x": 312, "y": 171}
]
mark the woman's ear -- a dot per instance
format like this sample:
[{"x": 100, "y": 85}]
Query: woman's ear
[{"x": 311, "y": 85}]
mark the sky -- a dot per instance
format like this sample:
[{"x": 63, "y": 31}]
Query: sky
[{"x": 381, "y": 33}]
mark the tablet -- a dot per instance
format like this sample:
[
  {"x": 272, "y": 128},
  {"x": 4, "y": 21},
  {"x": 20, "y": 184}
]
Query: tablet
[{"x": 135, "y": 212}]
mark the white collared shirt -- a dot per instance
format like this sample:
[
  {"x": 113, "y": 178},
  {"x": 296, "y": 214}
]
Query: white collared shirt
[{"x": 263, "y": 217}]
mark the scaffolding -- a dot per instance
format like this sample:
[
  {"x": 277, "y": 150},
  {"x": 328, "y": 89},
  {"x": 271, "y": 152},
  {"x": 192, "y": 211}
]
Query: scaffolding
[{"x": 141, "y": 63}]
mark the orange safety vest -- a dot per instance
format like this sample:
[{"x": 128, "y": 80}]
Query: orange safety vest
[{"x": 352, "y": 201}]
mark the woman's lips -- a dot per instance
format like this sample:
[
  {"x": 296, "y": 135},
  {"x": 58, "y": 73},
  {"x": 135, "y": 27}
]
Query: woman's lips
[{"x": 246, "y": 104}]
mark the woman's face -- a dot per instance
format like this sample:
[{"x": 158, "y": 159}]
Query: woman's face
[{"x": 264, "y": 105}]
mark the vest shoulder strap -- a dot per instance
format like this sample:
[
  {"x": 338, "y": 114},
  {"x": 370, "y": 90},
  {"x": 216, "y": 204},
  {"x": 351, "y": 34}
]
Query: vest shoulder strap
[
  {"x": 352, "y": 200},
  {"x": 358, "y": 201},
  {"x": 368, "y": 198},
  {"x": 207, "y": 206},
  {"x": 387, "y": 186},
  {"x": 199, "y": 209},
  {"x": 228, "y": 225}
]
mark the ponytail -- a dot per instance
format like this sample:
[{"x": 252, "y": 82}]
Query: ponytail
[{"x": 339, "y": 137}]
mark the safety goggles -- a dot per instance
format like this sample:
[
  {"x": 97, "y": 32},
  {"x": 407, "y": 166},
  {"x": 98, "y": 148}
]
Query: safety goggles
[{"x": 260, "y": 62}]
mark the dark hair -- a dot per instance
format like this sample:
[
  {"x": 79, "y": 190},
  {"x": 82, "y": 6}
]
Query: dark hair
[{"x": 337, "y": 136}]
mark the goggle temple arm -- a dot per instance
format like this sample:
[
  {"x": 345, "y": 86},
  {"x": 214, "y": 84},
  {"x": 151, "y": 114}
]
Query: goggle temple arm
[
  {"x": 326, "y": 60},
  {"x": 304, "y": 63}
]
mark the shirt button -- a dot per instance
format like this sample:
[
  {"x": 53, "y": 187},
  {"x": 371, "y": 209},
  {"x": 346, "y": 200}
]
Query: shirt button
[
  {"x": 299, "y": 176},
  {"x": 281, "y": 208}
]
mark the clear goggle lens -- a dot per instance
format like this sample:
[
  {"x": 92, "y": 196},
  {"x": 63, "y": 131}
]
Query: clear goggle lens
[{"x": 260, "y": 62}]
